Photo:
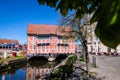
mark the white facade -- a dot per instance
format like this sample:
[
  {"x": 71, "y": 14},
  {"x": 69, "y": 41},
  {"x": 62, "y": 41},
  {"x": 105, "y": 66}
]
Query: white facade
[{"x": 95, "y": 45}]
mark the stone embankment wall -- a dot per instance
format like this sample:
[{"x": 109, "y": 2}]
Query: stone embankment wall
[{"x": 7, "y": 65}]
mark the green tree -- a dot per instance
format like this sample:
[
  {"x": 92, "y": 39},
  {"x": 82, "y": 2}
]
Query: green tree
[{"x": 106, "y": 13}]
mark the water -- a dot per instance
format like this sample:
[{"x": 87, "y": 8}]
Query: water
[{"x": 28, "y": 71}]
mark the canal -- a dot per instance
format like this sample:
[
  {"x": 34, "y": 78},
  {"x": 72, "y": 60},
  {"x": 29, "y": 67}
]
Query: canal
[{"x": 32, "y": 70}]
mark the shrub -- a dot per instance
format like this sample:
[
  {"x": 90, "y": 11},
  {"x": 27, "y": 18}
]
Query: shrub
[
  {"x": 64, "y": 70},
  {"x": 71, "y": 59},
  {"x": 82, "y": 59},
  {"x": 57, "y": 72}
]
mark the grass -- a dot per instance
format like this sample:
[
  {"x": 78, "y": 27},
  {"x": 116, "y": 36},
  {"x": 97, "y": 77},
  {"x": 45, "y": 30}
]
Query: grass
[
  {"x": 81, "y": 59},
  {"x": 11, "y": 58},
  {"x": 90, "y": 74}
]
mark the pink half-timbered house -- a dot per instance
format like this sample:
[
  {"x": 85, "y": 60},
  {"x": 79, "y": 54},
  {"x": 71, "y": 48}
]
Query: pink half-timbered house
[{"x": 47, "y": 39}]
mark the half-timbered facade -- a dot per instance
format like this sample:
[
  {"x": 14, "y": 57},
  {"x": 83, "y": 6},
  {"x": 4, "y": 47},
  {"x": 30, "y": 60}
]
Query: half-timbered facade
[{"x": 47, "y": 39}]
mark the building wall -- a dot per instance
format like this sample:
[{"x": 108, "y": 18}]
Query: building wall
[
  {"x": 50, "y": 44},
  {"x": 8, "y": 44},
  {"x": 96, "y": 44}
]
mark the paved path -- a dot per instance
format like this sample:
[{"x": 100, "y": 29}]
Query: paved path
[{"x": 108, "y": 67}]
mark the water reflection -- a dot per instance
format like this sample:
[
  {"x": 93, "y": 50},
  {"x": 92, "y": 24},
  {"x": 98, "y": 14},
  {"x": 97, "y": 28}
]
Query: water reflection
[
  {"x": 35, "y": 70},
  {"x": 28, "y": 71},
  {"x": 17, "y": 73}
]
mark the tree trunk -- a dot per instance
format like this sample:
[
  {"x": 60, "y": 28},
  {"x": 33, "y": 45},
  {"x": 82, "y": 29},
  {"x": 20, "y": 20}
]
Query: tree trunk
[
  {"x": 86, "y": 54},
  {"x": 84, "y": 44}
]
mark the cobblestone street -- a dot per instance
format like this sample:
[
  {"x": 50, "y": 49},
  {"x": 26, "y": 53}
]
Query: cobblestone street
[{"x": 107, "y": 67}]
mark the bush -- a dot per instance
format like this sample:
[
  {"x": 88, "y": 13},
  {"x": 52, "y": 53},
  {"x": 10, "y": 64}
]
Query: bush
[
  {"x": 9, "y": 54},
  {"x": 82, "y": 59},
  {"x": 65, "y": 70},
  {"x": 57, "y": 72},
  {"x": 69, "y": 69},
  {"x": 71, "y": 59},
  {"x": 1, "y": 54}
]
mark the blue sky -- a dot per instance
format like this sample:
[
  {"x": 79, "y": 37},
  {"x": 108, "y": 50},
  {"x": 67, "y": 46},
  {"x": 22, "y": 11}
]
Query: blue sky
[{"x": 15, "y": 15}]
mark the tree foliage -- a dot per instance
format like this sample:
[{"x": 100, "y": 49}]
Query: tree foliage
[
  {"x": 106, "y": 13},
  {"x": 79, "y": 6},
  {"x": 108, "y": 27}
]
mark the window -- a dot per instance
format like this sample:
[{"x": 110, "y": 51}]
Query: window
[
  {"x": 59, "y": 37},
  {"x": 65, "y": 46},
  {"x": 43, "y": 36},
  {"x": 43, "y": 46},
  {"x": 51, "y": 36},
  {"x": 109, "y": 49},
  {"x": 47, "y": 36},
  {"x": 34, "y": 47},
  {"x": 58, "y": 47}
]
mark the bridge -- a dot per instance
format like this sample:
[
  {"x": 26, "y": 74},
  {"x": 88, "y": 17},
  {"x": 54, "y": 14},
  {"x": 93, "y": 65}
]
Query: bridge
[{"x": 49, "y": 57}]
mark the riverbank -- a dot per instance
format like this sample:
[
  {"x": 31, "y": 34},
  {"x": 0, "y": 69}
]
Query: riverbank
[{"x": 11, "y": 63}]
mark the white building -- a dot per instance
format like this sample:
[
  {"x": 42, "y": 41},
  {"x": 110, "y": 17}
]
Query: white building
[{"x": 95, "y": 45}]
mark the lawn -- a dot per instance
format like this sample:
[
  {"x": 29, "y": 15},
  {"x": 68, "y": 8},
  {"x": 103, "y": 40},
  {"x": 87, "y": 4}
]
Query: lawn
[{"x": 11, "y": 58}]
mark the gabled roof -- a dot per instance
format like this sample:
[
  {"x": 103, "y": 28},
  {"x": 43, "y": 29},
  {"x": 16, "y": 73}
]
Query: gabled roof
[
  {"x": 44, "y": 29},
  {"x": 8, "y": 41}
]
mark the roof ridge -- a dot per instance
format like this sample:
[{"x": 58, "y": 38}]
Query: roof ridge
[{"x": 43, "y": 25}]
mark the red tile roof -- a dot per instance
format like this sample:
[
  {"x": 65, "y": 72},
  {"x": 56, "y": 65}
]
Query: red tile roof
[
  {"x": 8, "y": 41},
  {"x": 45, "y": 29}
]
